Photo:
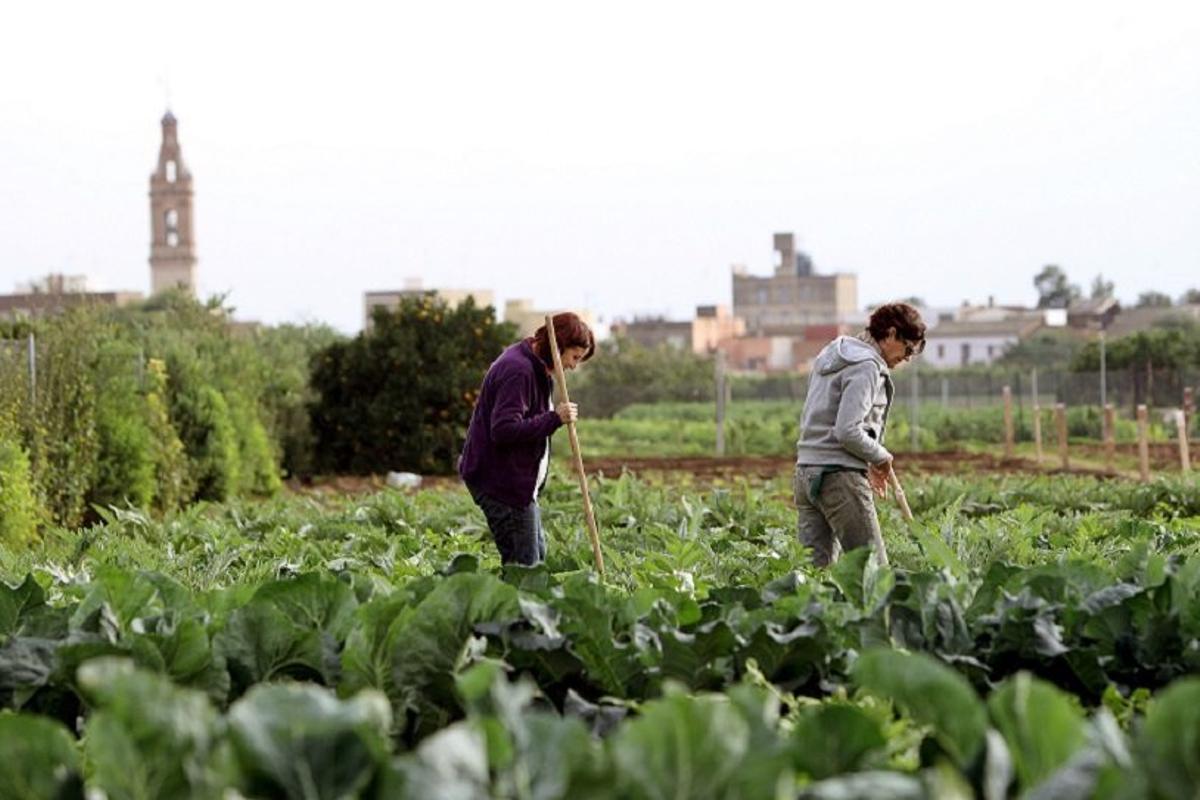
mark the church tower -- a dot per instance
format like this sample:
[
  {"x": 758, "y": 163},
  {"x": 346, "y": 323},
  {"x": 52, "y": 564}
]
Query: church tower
[{"x": 172, "y": 249}]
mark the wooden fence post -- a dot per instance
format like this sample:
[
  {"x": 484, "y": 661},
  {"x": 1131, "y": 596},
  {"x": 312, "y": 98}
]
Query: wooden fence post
[
  {"x": 1110, "y": 435},
  {"x": 1060, "y": 422},
  {"x": 720, "y": 376},
  {"x": 1008, "y": 422},
  {"x": 1185, "y": 462},
  {"x": 1189, "y": 408},
  {"x": 1143, "y": 444}
]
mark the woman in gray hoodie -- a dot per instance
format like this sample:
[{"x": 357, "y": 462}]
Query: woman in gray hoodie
[{"x": 840, "y": 457}]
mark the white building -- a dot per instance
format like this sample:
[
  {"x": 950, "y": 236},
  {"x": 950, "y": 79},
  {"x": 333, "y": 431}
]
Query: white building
[
  {"x": 521, "y": 312},
  {"x": 957, "y": 343}
]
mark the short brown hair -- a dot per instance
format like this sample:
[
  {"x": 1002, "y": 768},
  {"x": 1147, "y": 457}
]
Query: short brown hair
[
  {"x": 905, "y": 319},
  {"x": 569, "y": 331}
]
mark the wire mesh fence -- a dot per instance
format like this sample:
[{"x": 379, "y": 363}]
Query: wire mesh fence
[
  {"x": 1158, "y": 388},
  {"x": 22, "y": 360}
]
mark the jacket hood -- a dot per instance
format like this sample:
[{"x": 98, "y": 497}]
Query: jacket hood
[
  {"x": 526, "y": 347},
  {"x": 844, "y": 351}
]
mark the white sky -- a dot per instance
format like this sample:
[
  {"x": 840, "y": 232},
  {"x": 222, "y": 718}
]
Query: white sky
[{"x": 619, "y": 155}]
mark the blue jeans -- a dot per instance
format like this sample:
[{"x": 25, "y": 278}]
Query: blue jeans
[{"x": 517, "y": 530}]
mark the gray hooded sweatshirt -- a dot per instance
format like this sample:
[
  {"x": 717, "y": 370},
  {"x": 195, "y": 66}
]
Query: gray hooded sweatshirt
[{"x": 849, "y": 394}]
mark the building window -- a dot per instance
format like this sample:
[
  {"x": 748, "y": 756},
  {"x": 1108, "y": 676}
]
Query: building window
[
  {"x": 171, "y": 171},
  {"x": 171, "y": 220},
  {"x": 991, "y": 350},
  {"x": 966, "y": 353},
  {"x": 941, "y": 351}
]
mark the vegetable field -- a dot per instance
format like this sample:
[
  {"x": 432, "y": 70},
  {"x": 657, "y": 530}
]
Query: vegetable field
[{"x": 1034, "y": 636}]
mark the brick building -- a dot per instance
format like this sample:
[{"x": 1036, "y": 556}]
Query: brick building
[
  {"x": 795, "y": 297},
  {"x": 55, "y": 294},
  {"x": 172, "y": 241},
  {"x": 702, "y": 334}
]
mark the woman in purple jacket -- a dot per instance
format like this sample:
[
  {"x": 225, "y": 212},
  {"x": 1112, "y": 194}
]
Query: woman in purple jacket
[{"x": 507, "y": 453}]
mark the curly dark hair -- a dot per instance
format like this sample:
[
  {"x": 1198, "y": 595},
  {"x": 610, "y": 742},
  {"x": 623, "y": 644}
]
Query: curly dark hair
[
  {"x": 569, "y": 331},
  {"x": 905, "y": 319}
]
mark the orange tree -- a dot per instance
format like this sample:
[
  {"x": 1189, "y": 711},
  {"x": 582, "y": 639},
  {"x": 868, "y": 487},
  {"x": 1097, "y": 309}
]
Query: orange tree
[{"x": 401, "y": 396}]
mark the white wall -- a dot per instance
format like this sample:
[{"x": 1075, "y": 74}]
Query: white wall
[
  {"x": 781, "y": 353},
  {"x": 947, "y": 351}
]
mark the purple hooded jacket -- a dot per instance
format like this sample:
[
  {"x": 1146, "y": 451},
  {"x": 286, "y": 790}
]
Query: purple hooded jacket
[{"x": 509, "y": 428}]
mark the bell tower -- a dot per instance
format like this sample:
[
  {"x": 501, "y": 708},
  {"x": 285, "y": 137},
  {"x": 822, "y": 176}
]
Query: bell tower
[{"x": 172, "y": 249}]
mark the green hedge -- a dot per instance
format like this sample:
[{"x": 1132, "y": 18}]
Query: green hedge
[
  {"x": 20, "y": 514},
  {"x": 154, "y": 406}
]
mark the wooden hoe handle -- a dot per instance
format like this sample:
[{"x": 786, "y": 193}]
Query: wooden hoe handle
[
  {"x": 561, "y": 379},
  {"x": 901, "y": 498}
]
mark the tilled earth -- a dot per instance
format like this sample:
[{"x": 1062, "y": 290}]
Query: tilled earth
[
  {"x": 707, "y": 468},
  {"x": 950, "y": 462}
]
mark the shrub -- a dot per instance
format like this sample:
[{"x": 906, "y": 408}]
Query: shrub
[
  {"x": 125, "y": 462},
  {"x": 402, "y": 396},
  {"x": 623, "y": 373},
  {"x": 258, "y": 473},
  {"x": 287, "y": 352},
  {"x": 60, "y": 428},
  {"x": 217, "y": 462},
  {"x": 209, "y": 438},
  {"x": 125, "y": 468},
  {"x": 174, "y": 483},
  {"x": 20, "y": 514}
]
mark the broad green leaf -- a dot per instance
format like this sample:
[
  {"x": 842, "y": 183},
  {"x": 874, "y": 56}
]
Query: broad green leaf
[
  {"x": 130, "y": 596},
  {"x": 452, "y": 764},
  {"x": 681, "y": 747},
  {"x": 148, "y": 739},
  {"x": 25, "y": 665},
  {"x": 313, "y": 601},
  {"x": 847, "y": 575},
  {"x": 703, "y": 659},
  {"x": 41, "y": 760},
  {"x": 932, "y": 694},
  {"x": 367, "y": 656},
  {"x": 16, "y": 602},
  {"x": 831, "y": 739},
  {"x": 1169, "y": 742},
  {"x": 300, "y": 741},
  {"x": 592, "y": 619},
  {"x": 431, "y": 644},
  {"x": 557, "y": 758},
  {"x": 867, "y": 786},
  {"x": 531, "y": 754},
  {"x": 790, "y": 657},
  {"x": 1042, "y": 727},
  {"x": 261, "y": 643},
  {"x": 181, "y": 649}
]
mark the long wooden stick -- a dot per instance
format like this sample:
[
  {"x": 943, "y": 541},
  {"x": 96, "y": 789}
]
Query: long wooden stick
[
  {"x": 901, "y": 498},
  {"x": 1185, "y": 460},
  {"x": 561, "y": 379}
]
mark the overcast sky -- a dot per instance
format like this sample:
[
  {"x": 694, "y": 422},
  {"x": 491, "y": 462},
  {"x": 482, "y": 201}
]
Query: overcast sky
[{"x": 615, "y": 155}]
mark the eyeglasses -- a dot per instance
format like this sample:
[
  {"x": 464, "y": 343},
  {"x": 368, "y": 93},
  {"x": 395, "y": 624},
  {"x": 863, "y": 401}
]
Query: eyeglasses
[{"x": 913, "y": 348}]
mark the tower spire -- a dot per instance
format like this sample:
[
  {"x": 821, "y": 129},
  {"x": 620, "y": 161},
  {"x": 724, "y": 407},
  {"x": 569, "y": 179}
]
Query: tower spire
[{"x": 172, "y": 248}]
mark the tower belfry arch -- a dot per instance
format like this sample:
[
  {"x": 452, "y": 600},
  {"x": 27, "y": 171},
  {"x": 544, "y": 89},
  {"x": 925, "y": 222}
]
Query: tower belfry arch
[{"x": 172, "y": 246}]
